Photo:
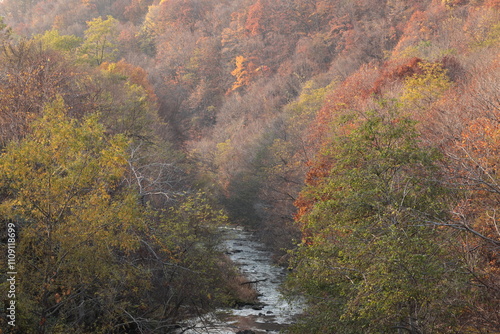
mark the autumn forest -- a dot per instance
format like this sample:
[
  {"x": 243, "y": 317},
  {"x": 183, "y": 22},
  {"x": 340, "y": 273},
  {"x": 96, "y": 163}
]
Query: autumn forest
[{"x": 358, "y": 139}]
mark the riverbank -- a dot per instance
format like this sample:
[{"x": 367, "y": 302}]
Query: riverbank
[{"x": 271, "y": 313}]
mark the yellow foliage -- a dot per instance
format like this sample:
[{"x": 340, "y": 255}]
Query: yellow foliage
[
  {"x": 63, "y": 188},
  {"x": 425, "y": 88}
]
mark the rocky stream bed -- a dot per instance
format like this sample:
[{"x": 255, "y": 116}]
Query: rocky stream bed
[{"x": 271, "y": 314}]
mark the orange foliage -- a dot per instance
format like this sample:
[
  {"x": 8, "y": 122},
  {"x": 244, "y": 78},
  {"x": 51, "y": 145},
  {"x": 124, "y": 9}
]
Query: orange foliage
[
  {"x": 136, "y": 75},
  {"x": 352, "y": 94},
  {"x": 316, "y": 174},
  {"x": 253, "y": 23},
  {"x": 244, "y": 72},
  {"x": 480, "y": 148},
  {"x": 480, "y": 144},
  {"x": 89, "y": 4},
  {"x": 421, "y": 27},
  {"x": 475, "y": 152},
  {"x": 492, "y": 4}
]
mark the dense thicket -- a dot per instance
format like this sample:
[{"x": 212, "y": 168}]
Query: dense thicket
[{"x": 362, "y": 134}]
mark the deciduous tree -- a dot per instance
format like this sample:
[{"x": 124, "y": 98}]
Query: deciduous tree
[
  {"x": 100, "y": 42},
  {"x": 98, "y": 258},
  {"x": 61, "y": 186},
  {"x": 371, "y": 258}
]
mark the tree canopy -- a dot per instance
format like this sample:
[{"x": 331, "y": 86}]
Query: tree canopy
[{"x": 359, "y": 139}]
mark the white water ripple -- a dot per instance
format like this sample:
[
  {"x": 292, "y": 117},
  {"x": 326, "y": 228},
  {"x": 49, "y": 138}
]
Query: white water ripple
[{"x": 255, "y": 263}]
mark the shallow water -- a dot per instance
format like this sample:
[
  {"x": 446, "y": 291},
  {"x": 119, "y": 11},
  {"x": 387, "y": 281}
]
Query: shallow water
[{"x": 255, "y": 263}]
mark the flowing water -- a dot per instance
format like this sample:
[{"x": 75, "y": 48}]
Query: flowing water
[{"x": 272, "y": 313}]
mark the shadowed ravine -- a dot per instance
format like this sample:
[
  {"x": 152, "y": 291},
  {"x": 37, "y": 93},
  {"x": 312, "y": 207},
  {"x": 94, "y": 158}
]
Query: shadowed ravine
[{"x": 272, "y": 313}]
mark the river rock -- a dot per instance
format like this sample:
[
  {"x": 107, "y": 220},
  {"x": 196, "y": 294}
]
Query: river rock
[{"x": 245, "y": 331}]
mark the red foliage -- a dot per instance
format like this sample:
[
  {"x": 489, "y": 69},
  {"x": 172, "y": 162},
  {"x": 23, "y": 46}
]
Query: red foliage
[
  {"x": 314, "y": 177},
  {"x": 352, "y": 94},
  {"x": 396, "y": 71}
]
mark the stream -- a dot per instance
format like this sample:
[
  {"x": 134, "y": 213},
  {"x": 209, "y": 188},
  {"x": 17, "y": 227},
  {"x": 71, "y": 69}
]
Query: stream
[{"x": 272, "y": 313}]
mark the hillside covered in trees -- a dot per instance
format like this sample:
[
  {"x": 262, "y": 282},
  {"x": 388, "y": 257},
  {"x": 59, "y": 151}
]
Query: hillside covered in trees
[{"x": 359, "y": 138}]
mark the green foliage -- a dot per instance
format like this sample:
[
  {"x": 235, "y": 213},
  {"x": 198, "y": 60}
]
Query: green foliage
[
  {"x": 371, "y": 259},
  {"x": 5, "y": 31},
  {"x": 284, "y": 158},
  {"x": 290, "y": 148},
  {"x": 150, "y": 30},
  {"x": 375, "y": 203},
  {"x": 126, "y": 107},
  {"x": 101, "y": 38},
  {"x": 190, "y": 236},
  {"x": 308, "y": 104},
  {"x": 54, "y": 40},
  {"x": 98, "y": 260}
]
